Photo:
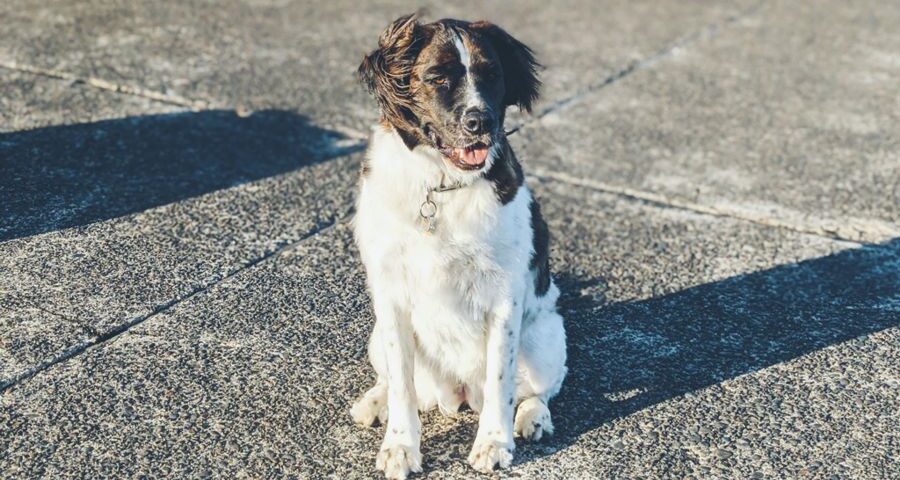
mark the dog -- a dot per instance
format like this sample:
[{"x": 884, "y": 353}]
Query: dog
[{"x": 454, "y": 246}]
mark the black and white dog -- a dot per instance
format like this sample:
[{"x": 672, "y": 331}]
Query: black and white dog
[{"x": 454, "y": 245}]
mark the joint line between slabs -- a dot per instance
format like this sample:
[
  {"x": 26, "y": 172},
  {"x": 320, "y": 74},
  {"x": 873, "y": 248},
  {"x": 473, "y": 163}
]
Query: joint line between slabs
[
  {"x": 102, "y": 84},
  {"x": 641, "y": 64},
  {"x": 817, "y": 228}
]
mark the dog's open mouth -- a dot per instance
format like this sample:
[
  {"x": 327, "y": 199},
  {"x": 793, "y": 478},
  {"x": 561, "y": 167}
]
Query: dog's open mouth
[{"x": 471, "y": 157}]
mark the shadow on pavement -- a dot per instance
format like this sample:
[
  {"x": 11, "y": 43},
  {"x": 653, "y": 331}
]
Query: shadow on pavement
[
  {"x": 628, "y": 356},
  {"x": 59, "y": 177}
]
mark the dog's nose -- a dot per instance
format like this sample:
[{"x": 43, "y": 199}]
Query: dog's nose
[{"x": 477, "y": 122}]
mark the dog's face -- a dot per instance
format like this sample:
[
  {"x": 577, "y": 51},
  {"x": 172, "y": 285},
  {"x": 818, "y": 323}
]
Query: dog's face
[{"x": 447, "y": 85}]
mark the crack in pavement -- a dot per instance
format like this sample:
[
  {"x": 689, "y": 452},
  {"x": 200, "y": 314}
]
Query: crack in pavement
[
  {"x": 848, "y": 230},
  {"x": 85, "y": 328},
  {"x": 708, "y": 31},
  {"x": 107, "y": 85},
  {"x": 111, "y": 334}
]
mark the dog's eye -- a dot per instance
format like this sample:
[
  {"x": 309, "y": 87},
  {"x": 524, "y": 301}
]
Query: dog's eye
[{"x": 438, "y": 80}]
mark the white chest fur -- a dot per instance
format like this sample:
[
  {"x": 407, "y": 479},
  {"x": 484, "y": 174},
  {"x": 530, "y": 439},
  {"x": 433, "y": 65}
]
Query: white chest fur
[
  {"x": 459, "y": 312},
  {"x": 447, "y": 280}
]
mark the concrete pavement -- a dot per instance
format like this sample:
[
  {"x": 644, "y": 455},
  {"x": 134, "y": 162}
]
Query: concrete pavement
[{"x": 180, "y": 297}]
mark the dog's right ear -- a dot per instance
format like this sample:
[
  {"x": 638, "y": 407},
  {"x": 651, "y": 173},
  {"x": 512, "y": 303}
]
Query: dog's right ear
[
  {"x": 519, "y": 66},
  {"x": 386, "y": 71}
]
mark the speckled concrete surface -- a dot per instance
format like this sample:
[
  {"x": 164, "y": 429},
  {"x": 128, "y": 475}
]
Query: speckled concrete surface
[
  {"x": 180, "y": 298},
  {"x": 255, "y": 376},
  {"x": 31, "y": 337}
]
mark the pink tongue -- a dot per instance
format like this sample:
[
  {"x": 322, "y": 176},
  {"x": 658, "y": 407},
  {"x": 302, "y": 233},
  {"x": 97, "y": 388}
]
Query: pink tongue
[{"x": 473, "y": 156}]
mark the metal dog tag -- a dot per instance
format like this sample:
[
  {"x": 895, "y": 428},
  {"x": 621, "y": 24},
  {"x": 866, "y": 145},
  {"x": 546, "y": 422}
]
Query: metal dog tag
[{"x": 427, "y": 211}]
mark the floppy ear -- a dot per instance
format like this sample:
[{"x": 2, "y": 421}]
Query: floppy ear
[
  {"x": 519, "y": 66},
  {"x": 385, "y": 72}
]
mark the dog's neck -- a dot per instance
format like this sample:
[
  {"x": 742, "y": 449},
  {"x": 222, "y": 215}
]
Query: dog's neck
[{"x": 407, "y": 179}]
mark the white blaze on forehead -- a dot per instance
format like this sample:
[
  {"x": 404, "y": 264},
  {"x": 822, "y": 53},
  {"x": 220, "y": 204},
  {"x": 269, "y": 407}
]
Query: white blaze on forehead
[
  {"x": 473, "y": 98},
  {"x": 463, "y": 51}
]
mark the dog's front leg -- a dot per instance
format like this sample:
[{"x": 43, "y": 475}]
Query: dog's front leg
[
  {"x": 399, "y": 452},
  {"x": 494, "y": 442}
]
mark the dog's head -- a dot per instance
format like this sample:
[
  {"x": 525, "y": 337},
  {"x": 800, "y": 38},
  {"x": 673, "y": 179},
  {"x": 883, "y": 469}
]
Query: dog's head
[{"x": 447, "y": 84}]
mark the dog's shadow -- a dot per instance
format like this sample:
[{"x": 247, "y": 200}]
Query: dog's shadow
[
  {"x": 60, "y": 177},
  {"x": 624, "y": 357}
]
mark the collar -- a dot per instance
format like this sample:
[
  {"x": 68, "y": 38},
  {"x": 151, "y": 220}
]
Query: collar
[
  {"x": 449, "y": 188},
  {"x": 428, "y": 209}
]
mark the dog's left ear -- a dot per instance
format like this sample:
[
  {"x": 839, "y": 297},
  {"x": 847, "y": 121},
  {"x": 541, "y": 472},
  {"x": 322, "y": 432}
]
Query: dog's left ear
[
  {"x": 519, "y": 66},
  {"x": 386, "y": 71}
]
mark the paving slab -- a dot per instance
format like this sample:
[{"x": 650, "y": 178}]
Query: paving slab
[
  {"x": 29, "y": 336},
  {"x": 789, "y": 113},
  {"x": 302, "y": 57},
  {"x": 254, "y": 376},
  {"x": 784, "y": 370},
  {"x": 828, "y": 414}
]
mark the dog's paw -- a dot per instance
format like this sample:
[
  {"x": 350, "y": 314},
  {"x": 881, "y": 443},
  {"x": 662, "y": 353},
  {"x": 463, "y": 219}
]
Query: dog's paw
[
  {"x": 486, "y": 455},
  {"x": 365, "y": 411},
  {"x": 397, "y": 461},
  {"x": 370, "y": 407},
  {"x": 533, "y": 420}
]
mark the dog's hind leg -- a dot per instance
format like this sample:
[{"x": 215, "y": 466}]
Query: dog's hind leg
[
  {"x": 371, "y": 406},
  {"x": 541, "y": 367}
]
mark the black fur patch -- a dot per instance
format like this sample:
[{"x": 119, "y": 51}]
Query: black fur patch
[
  {"x": 519, "y": 65},
  {"x": 409, "y": 139},
  {"x": 506, "y": 175},
  {"x": 386, "y": 73},
  {"x": 540, "y": 260}
]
